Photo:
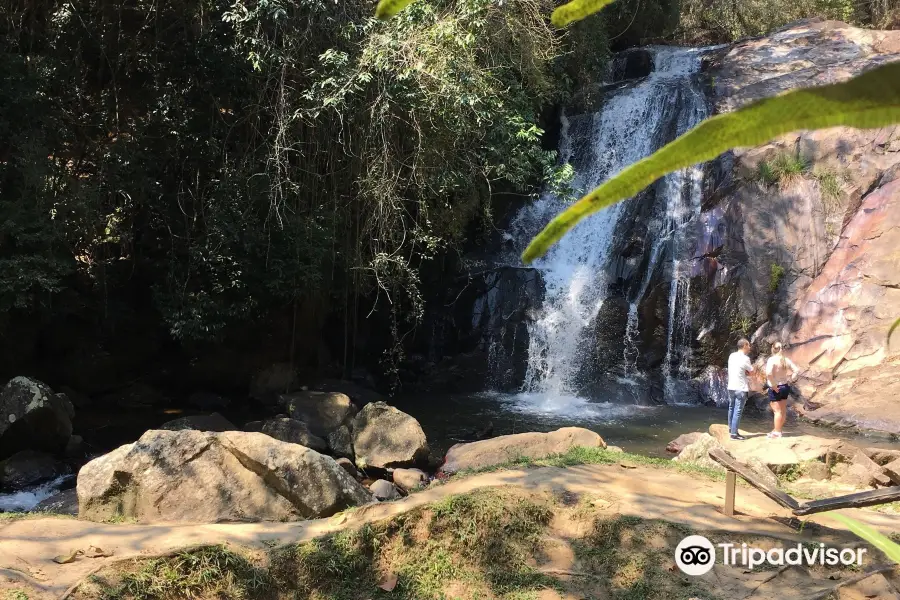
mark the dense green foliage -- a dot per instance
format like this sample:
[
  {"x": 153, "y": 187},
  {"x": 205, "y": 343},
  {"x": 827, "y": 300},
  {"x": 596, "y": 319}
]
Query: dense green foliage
[
  {"x": 228, "y": 159},
  {"x": 200, "y": 165}
]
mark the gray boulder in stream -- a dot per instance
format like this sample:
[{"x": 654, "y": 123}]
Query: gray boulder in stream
[
  {"x": 323, "y": 412},
  {"x": 206, "y": 477},
  {"x": 385, "y": 437},
  {"x": 508, "y": 448},
  {"x": 213, "y": 422},
  {"x": 28, "y": 467},
  {"x": 293, "y": 431},
  {"x": 32, "y": 417}
]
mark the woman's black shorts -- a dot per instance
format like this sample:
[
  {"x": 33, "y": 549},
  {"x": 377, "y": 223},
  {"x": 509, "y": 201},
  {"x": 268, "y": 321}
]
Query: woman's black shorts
[{"x": 778, "y": 393}]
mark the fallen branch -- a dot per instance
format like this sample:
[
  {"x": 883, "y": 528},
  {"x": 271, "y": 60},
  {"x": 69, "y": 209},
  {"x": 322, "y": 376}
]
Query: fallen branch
[{"x": 563, "y": 572}]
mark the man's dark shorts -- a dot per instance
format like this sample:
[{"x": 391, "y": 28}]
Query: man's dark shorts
[{"x": 778, "y": 393}]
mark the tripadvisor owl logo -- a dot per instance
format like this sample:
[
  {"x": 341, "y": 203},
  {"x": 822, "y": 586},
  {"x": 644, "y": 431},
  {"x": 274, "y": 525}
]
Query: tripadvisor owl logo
[{"x": 695, "y": 555}]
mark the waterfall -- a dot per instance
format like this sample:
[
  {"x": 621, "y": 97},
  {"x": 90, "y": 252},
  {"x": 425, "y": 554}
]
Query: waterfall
[{"x": 636, "y": 119}]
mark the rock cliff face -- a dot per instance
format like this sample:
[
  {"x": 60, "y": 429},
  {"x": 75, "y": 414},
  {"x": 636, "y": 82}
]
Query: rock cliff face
[
  {"x": 808, "y": 252},
  {"x": 794, "y": 241}
]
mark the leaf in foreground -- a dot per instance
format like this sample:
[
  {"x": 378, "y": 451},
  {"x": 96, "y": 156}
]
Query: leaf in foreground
[
  {"x": 866, "y": 101},
  {"x": 388, "y": 8},
  {"x": 891, "y": 331},
  {"x": 890, "y": 548},
  {"x": 576, "y": 10}
]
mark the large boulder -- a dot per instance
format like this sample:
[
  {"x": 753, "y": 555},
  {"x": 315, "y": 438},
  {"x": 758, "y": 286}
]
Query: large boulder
[
  {"x": 28, "y": 467},
  {"x": 323, "y": 412},
  {"x": 778, "y": 454},
  {"x": 213, "y": 422},
  {"x": 682, "y": 441},
  {"x": 340, "y": 442},
  {"x": 193, "y": 476},
  {"x": 506, "y": 448},
  {"x": 359, "y": 394},
  {"x": 33, "y": 417},
  {"x": 698, "y": 453},
  {"x": 62, "y": 503},
  {"x": 384, "y": 437},
  {"x": 293, "y": 431}
]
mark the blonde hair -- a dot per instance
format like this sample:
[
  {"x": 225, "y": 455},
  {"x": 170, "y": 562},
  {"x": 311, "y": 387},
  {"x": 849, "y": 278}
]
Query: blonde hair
[{"x": 776, "y": 349}]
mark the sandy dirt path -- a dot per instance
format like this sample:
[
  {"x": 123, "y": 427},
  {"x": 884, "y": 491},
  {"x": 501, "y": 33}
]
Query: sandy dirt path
[{"x": 27, "y": 546}]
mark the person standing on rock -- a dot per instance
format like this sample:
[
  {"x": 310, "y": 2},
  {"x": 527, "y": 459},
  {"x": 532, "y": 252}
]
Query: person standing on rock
[
  {"x": 781, "y": 372},
  {"x": 739, "y": 367}
]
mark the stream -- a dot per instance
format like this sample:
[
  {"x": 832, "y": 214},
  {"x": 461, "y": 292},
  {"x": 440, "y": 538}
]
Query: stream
[
  {"x": 642, "y": 430},
  {"x": 448, "y": 419}
]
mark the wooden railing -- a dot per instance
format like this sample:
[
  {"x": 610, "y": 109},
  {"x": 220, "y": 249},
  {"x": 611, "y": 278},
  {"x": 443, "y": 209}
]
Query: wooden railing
[{"x": 735, "y": 468}]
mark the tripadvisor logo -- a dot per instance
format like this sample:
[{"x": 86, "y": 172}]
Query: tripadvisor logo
[{"x": 696, "y": 555}]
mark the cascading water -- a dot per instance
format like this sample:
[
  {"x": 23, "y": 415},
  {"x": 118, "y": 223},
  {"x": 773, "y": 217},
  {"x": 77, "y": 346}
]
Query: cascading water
[{"x": 635, "y": 120}]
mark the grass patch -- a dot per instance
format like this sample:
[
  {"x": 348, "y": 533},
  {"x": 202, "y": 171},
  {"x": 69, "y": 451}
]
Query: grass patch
[
  {"x": 785, "y": 168},
  {"x": 831, "y": 193},
  {"x": 776, "y": 276},
  {"x": 830, "y": 186},
  {"x": 480, "y": 541},
  {"x": 15, "y": 595},
  {"x": 580, "y": 455},
  {"x": 213, "y": 571},
  {"x": 632, "y": 556},
  {"x": 15, "y": 516}
]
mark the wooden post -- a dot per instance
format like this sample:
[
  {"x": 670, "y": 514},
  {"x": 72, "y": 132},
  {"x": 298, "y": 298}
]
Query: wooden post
[
  {"x": 730, "y": 488},
  {"x": 726, "y": 460}
]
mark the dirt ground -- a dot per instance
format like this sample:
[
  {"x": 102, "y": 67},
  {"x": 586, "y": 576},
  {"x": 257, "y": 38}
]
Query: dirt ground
[{"x": 28, "y": 546}]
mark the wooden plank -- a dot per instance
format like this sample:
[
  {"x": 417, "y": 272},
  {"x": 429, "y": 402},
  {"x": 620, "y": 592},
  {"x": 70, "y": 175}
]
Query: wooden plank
[
  {"x": 730, "y": 488},
  {"x": 726, "y": 460},
  {"x": 858, "y": 500}
]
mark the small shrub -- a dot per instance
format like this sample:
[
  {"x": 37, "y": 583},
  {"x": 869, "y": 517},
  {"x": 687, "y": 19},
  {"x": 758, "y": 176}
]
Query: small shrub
[
  {"x": 783, "y": 169},
  {"x": 789, "y": 166},
  {"x": 741, "y": 325},
  {"x": 765, "y": 174},
  {"x": 776, "y": 276},
  {"x": 830, "y": 185}
]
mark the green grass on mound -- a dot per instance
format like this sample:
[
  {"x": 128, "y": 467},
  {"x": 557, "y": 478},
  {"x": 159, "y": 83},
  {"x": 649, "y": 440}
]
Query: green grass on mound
[
  {"x": 489, "y": 544},
  {"x": 213, "y": 571},
  {"x": 580, "y": 455},
  {"x": 477, "y": 542}
]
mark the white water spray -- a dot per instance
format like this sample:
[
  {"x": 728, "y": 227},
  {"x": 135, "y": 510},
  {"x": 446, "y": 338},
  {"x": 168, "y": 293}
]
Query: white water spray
[{"x": 634, "y": 121}]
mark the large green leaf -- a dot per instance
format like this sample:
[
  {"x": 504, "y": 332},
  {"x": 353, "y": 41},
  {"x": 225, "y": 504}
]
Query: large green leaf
[
  {"x": 890, "y": 548},
  {"x": 866, "y": 101},
  {"x": 894, "y": 326},
  {"x": 576, "y": 10},
  {"x": 388, "y": 8}
]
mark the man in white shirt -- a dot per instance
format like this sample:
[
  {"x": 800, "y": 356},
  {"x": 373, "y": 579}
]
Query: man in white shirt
[
  {"x": 739, "y": 367},
  {"x": 781, "y": 372}
]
